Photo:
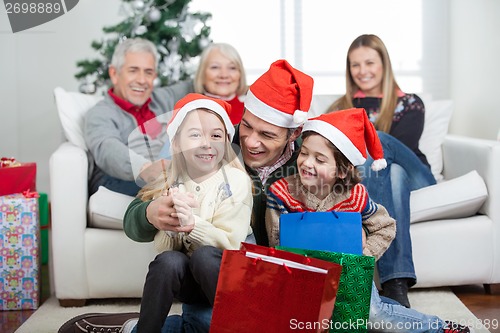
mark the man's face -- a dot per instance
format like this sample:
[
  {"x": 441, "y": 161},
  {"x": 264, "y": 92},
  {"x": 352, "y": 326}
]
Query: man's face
[
  {"x": 134, "y": 81},
  {"x": 261, "y": 142}
]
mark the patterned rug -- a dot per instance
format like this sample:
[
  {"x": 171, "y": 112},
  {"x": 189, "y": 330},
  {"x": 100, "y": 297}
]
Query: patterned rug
[{"x": 50, "y": 316}]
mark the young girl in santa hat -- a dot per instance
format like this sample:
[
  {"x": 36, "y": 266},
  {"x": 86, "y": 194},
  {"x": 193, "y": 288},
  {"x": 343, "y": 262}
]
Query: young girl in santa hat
[
  {"x": 327, "y": 179},
  {"x": 204, "y": 166}
]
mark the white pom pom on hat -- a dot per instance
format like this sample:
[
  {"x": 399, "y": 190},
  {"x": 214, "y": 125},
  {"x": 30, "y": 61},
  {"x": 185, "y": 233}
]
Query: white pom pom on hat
[
  {"x": 352, "y": 133},
  {"x": 281, "y": 96}
]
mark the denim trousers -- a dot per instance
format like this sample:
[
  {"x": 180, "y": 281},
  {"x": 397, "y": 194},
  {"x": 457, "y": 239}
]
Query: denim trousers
[
  {"x": 391, "y": 187},
  {"x": 115, "y": 185},
  {"x": 196, "y": 318},
  {"x": 387, "y": 315},
  {"x": 190, "y": 280}
]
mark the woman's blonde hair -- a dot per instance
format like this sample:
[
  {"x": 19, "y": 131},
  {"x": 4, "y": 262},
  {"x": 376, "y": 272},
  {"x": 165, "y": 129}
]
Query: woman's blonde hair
[
  {"x": 389, "y": 84},
  {"x": 176, "y": 169},
  {"x": 229, "y": 52}
]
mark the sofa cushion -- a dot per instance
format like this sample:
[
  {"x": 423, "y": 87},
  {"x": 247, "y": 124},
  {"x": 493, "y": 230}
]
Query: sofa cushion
[
  {"x": 320, "y": 103},
  {"x": 107, "y": 208},
  {"x": 437, "y": 118},
  {"x": 456, "y": 198},
  {"x": 72, "y": 107}
]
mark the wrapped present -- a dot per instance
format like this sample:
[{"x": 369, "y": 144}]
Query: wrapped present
[
  {"x": 327, "y": 231},
  {"x": 19, "y": 251},
  {"x": 43, "y": 205},
  {"x": 354, "y": 292},
  {"x": 16, "y": 177}
]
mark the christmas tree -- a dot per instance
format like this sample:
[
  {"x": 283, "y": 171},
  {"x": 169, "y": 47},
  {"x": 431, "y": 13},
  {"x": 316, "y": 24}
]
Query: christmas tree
[{"x": 179, "y": 35}]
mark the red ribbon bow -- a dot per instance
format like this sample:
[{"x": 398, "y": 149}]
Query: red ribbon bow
[
  {"x": 6, "y": 162},
  {"x": 28, "y": 194}
]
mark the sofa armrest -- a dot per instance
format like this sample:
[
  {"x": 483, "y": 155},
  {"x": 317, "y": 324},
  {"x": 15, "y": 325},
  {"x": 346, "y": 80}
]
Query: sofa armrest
[
  {"x": 463, "y": 154},
  {"x": 68, "y": 168}
]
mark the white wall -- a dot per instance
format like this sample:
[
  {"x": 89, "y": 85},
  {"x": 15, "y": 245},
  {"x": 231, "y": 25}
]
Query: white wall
[
  {"x": 34, "y": 62},
  {"x": 475, "y": 67}
]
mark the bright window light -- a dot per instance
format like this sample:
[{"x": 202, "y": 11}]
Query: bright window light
[{"x": 314, "y": 36}]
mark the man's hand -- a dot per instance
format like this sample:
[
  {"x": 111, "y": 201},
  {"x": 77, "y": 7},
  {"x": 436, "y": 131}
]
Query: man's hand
[{"x": 162, "y": 214}]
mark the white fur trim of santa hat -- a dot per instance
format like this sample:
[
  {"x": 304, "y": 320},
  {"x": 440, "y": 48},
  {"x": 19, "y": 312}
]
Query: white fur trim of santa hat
[
  {"x": 194, "y": 102},
  {"x": 281, "y": 96},
  {"x": 272, "y": 115},
  {"x": 352, "y": 133},
  {"x": 338, "y": 138}
]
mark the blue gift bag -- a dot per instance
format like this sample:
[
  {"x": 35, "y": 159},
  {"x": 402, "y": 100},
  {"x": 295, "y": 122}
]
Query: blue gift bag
[{"x": 324, "y": 231}]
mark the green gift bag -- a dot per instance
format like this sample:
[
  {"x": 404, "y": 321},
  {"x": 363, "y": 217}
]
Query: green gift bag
[{"x": 352, "y": 307}]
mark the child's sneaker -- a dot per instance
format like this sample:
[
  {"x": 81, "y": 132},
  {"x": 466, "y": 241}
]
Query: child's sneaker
[{"x": 451, "y": 327}]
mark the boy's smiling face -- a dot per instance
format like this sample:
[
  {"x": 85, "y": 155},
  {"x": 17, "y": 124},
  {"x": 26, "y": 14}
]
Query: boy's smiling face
[{"x": 317, "y": 166}]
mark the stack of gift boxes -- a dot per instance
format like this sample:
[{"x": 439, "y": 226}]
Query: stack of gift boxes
[{"x": 19, "y": 235}]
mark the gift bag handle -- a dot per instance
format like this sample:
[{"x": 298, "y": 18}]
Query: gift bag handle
[{"x": 285, "y": 263}]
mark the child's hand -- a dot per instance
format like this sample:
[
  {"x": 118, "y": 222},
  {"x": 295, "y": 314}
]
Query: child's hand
[
  {"x": 187, "y": 197},
  {"x": 183, "y": 205}
]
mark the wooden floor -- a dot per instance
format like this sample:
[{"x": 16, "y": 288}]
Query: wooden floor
[{"x": 484, "y": 306}]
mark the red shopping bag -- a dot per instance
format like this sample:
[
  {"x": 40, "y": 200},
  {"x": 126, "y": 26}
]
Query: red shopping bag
[
  {"x": 18, "y": 178},
  {"x": 261, "y": 289}
]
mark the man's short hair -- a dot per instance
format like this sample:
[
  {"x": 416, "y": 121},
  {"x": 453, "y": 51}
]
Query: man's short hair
[{"x": 132, "y": 45}]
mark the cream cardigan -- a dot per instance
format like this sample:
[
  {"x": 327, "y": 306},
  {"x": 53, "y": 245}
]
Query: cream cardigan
[{"x": 223, "y": 216}]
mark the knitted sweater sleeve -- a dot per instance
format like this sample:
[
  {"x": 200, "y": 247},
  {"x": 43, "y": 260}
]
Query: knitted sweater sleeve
[
  {"x": 136, "y": 224},
  {"x": 106, "y": 130},
  {"x": 164, "y": 98},
  {"x": 230, "y": 223},
  {"x": 168, "y": 241},
  {"x": 273, "y": 211},
  {"x": 381, "y": 229}
]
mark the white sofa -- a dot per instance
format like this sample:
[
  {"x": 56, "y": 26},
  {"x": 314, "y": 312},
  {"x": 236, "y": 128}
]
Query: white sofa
[{"x": 455, "y": 241}]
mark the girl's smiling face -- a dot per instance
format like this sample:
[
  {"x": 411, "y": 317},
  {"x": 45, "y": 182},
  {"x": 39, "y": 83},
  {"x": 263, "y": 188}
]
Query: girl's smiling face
[
  {"x": 317, "y": 166},
  {"x": 201, "y": 141}
]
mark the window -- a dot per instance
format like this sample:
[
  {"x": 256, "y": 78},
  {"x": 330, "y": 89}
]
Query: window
[{"x": 314, "y": 37}]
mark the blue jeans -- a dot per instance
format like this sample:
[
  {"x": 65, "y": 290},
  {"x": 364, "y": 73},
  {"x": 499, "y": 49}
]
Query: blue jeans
[
  {"x": 114, "y": 184},
  {"x": 195, "y": 318},
  {"x": 174, "y": 275},
  {"x": 391, "y": 187},
  {"x": 387, "y": 315}
]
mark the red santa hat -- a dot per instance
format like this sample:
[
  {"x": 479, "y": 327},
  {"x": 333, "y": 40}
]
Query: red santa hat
[
  {"x": 194, "y": 101},
  {"x": 281, "y": 96},
  {"x": 352, "y": 133}
]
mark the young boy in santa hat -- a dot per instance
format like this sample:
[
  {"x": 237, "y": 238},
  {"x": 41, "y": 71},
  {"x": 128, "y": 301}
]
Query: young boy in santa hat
[{"x": 327, "y": 180}]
